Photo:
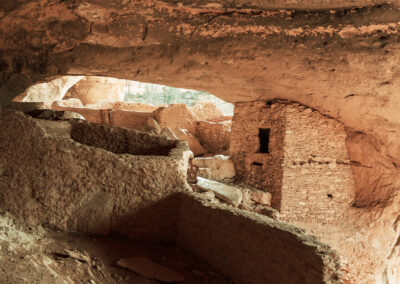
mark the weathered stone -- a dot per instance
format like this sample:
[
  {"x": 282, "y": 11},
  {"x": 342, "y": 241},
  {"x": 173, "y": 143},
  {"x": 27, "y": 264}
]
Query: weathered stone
[
  {"x": 150, "y": 269},
  {"x": 205, "y": 111},
  {"x": 261, "y": 197},
  {"x": 193, "y": 142},
  {"x": 93, "y": 89},
  {"x": 220, "y": 166},
  {"x": 176, "y": 116},
  {"x": 71, "y": 102},
  {"x": 153, "y": 126},
  {"x": 48, "y": 92},
  {"x": 214, "y": 135},
  {"x": 205, "y": 173},
  {"x": 168, "y": 133},
  {"x": 229, "y": 194}
]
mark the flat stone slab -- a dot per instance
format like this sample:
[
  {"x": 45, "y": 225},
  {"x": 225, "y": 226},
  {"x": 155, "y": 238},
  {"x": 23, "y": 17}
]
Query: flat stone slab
[
  {"x": 227, "y": 193},
  {"x": 150, "y": 269}
]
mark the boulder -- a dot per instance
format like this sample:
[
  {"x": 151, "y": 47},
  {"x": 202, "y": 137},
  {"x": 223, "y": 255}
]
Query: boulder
[
  {"x": 193, "y": 142},
  {"x": 152, "y": 126},
  {"x": 227, "y": 193},
  {"x": 71, "y": 102},
  {"x": 220, "y": 166},
  {"x": 261, "y": 197},
  {"x": 205, "y": 173},
  {"x": 205, "y": 110},
  {"x": 168, "y": 133},
  {"x": 176, "y": 116}
]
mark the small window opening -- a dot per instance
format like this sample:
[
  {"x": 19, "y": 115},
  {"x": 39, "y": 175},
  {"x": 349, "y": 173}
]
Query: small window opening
[
  {"x": 330, "y": 196},
  {"x": 256, "y": 164},
  {"x": 263, "y": 135}
]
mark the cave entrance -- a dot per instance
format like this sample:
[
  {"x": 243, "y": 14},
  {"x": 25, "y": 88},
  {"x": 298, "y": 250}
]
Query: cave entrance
[{"x": 198, "y": 117}]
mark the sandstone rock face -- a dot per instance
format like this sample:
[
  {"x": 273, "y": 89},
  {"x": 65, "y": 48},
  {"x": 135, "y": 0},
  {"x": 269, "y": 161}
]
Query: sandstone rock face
[
  {"x": 220, "y": 166},
  {"x": 101, "y": 105},
  {"x": 48, "y": 92},
  {"x": 176, "y": 116},
  {"x": 168, "y": 133},
  {"x": 341, "y": 62},
  {"x": 134, "y": 106},
  {"x": 205, "y": 111},
  {"x": 152, "y": 126},
  {"x": 261, "y": 197},
  {"x": 194, "y": 143},
  {"x": 93, "y": 89},
  {"x": 67, "y": 103}
]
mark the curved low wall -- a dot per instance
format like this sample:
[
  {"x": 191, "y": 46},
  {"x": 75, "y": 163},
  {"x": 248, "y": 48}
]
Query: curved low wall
[{"x": 251, "y": 248}]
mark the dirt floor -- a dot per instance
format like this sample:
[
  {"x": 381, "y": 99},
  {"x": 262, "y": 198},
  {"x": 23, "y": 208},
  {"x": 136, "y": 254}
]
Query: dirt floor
[{"x": 38, "y": 255}]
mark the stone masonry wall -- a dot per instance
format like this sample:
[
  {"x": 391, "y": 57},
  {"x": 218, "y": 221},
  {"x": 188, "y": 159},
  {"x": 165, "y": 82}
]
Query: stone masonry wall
[
  {"x": 260, "y": 170},
  {"x": 318, "y": 183},
  {"x": 48, "y": 178},
  {"x": 251, "y": 248},
  {"x": 307, "y": 169},
  {"x": 214, "y": 135}
]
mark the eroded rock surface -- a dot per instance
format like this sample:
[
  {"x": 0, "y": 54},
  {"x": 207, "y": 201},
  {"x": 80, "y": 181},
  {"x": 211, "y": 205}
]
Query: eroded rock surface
[{"x": 342, "y": 62}]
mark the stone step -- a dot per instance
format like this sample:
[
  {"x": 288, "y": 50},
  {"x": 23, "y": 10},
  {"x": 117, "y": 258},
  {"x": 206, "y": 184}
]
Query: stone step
[{"x": 227, "y": 193}]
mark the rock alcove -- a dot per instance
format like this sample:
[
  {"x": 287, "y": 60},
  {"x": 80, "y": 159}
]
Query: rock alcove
[{"x": 329, "y": 58}]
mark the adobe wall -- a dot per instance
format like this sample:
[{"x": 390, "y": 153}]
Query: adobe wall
[
  {"x": 48, "y": 178},
  {"x": 252, "y": 248},
  {"x": 261, "y": 170},
  {"x": 318, "y": 183}
]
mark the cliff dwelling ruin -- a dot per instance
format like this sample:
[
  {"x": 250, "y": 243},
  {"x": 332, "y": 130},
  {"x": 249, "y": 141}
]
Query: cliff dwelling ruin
[{"x": 279, "y": 162}]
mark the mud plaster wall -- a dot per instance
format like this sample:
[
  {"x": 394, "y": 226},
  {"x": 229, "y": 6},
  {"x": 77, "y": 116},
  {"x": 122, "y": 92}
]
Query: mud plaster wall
[
  {"x": 251, "y": 248},
  {"x": 318, "y": 183},
  {"x": 47, "y": 178},
  {"x": 260, "y": 170}
]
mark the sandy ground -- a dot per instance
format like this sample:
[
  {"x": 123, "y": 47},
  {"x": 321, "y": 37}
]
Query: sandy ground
[{"x": 38, "y": 255}]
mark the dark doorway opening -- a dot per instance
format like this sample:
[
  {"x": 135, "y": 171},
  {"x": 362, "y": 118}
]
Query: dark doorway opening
[{"x": 263, "y": 135}]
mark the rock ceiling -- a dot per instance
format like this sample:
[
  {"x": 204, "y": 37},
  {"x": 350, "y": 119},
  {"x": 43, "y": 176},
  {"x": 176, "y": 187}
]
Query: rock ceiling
[{"x": 342, "y": 60}]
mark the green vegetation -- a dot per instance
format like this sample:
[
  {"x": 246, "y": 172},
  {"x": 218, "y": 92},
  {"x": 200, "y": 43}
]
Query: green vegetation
[{"x": 158, "y": 94}]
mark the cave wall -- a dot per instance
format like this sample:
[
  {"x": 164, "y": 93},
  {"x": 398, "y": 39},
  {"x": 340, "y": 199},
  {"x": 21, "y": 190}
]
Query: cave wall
[
  {"x": 48, "y": 178},
  {"x": 341, "y": 61},
  {"x": 93, "y": 89},
  {"x": 336, "y": 61},
  {"x": 252, "y": 248},
  {"x": 49, "y": 92}
]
